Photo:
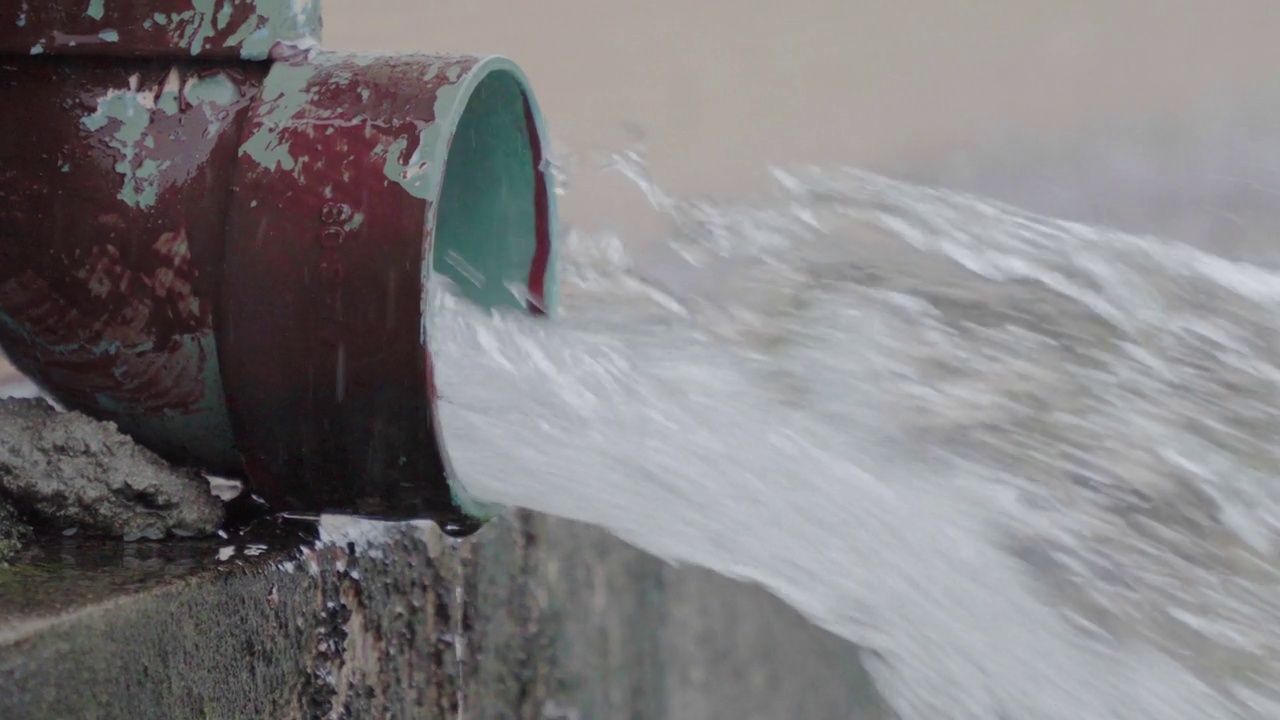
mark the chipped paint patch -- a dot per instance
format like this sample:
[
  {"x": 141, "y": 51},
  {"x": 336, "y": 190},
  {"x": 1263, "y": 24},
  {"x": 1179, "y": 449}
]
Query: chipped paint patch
[
  {"x": 129, "y": 111},
  {"x": 295, "y": 22},
  {"x": 192, "y": 27},
  {"x": 224, "y": 16},
  {"x": 283, "y": 97},
  {"x": 421, "y": 176},
  {"x": 216, "y": 89},
  {"x": 205, "y": 22},
  {"x": 212, "y": 93},
  {"x": 109, "y": 36},
  {"x": 413, "y": 173},
  {"x": 37, "y": 48},
  {"x": 248, "y": 29},
  {"x": 124, "y": 120}
]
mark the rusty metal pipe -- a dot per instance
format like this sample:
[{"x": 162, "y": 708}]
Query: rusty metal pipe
[{"x": 219, "y": 236}]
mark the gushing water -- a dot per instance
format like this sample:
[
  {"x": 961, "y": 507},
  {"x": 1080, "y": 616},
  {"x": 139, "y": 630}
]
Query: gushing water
[{"x": 1028, "y": 465}]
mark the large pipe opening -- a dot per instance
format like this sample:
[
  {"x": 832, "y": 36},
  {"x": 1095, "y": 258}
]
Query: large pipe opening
[
  {"x": 492, "y": 216},
  {"x": 493, "y": 235}
]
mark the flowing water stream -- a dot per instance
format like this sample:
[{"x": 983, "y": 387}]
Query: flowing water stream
[{"x": 1028, "y": 465}]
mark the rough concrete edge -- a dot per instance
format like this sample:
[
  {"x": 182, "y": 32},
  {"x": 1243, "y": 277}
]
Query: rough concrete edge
[
  {"x": 534, "y": 617},
  {"x": 71, "y": 472}
]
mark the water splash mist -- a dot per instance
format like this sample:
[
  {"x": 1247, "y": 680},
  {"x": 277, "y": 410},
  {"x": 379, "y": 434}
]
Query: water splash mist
[{"x": 1025, "y": 464}]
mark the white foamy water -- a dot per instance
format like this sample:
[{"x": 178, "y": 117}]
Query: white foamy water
[{"x": 1028, "y": 465}]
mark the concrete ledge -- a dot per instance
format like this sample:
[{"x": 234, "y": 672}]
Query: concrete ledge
[{"x": 534, "y": 617}]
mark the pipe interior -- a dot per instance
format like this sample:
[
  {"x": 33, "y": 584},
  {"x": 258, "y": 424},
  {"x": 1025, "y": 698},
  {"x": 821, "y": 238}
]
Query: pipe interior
[{"x": 487, "y": 218}]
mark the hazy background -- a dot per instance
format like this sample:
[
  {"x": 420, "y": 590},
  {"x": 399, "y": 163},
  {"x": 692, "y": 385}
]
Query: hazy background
[{"x": 1098, "y": 108}]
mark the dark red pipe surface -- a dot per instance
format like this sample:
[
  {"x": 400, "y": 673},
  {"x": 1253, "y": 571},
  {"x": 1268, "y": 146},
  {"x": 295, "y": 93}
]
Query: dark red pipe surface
[
  {"x": 112, "y": 219},
  {"x": 227, "y": 29},
  {"x": 213, "y": 252}
]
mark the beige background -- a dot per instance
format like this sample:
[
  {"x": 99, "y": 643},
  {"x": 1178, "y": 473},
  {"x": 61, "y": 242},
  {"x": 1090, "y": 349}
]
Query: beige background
[{"x": 725, "y": 87}]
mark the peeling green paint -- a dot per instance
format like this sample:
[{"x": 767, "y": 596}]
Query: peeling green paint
[
  {"x": 167, "y": 101},
  {"x": 187, "y": 25},
  {"x": 109, "y": 35},
  {"x": 37, "y": 48},
  {"x": 257, "y": 46},
  {"x": 95, "y": 9},
  {"x": 130, "y": 110},
  {"x": 224, "y": 15},
  {"x": 217, "y": 89},
  {"x": 421, "y": 176},
  {"x": 284, "y": 94},
  {"x": 415, "y": 174},
  {"x": 290, "y": 21},
  {"x": 203, "y": 20},
  {"x": 244, "y": 31},
  {"x": 146, "y": 186}
]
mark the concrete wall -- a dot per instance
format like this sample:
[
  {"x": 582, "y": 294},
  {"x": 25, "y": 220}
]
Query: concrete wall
[{"x": 532, "y": 618}]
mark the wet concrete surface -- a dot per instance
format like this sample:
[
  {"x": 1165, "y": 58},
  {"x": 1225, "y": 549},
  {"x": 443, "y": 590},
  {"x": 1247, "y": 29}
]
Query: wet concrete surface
[{"x": 531, "y": 618}]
